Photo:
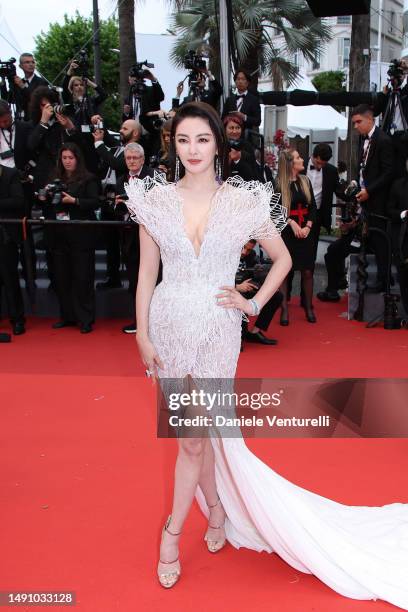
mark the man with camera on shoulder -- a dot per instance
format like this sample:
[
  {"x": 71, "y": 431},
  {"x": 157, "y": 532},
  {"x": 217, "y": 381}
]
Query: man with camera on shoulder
[
  {"x": 25, "y": 86},
  {"x": 197, "y": 77}
]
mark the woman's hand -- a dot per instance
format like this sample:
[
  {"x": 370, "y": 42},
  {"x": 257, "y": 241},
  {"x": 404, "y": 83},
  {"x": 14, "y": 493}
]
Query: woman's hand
[
  {"x": 47, "y": 113},
  {"x": 64, "y": 121},
  {"x": 246, "y": 286},
  {"x": 231, "y": 298},
  {"x": 305, "y": 231},
  {"x": 296, "y": 229},
  {"x": 67, "y": 199},
  {"x": 235, "y": 155},
  {"x": 148, "y": 354}
]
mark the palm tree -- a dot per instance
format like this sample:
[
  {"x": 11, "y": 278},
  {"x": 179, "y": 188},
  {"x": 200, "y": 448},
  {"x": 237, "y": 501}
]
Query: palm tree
[
  {"x": 127, "y": 43},
  {"x": 256, "y": 46}
]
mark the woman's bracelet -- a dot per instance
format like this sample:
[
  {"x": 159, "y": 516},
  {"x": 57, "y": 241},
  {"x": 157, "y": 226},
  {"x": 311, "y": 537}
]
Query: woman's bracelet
[{"x": 255, "y": 307}]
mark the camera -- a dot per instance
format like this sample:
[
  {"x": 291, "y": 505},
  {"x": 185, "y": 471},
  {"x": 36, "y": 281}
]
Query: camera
[
  {"x": 54, "y": 191},
  {"x": 155, "y": 161},
  {"x": 83, "y": 62},
  {"x": 237, "y": 145},
  {"x": 396, "y": 71},
  {"x": 8, "y": 68},
  {"x": 257, "y": 274},
  {"x": 350, "y": 205},
  {"x": 62, "y": 109},
  {"x": 194, "y": 61},
  {"x": 139, "y": 72}
]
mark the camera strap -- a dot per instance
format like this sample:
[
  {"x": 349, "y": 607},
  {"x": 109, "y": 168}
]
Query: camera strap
[{"x": 9, "y": 140}]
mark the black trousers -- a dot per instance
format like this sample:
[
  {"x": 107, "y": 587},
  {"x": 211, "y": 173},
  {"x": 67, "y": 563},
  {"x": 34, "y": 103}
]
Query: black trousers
[
  {"x": 111, "y": 240},
  {"x": 402, "y": 272},
  {"x": 335, "y": 257},
  {"x": 268, "y": 310},
  {"x": 378, "y": 243},
  {"x": 10, "y": 281},
  {"x": 74, "y": 270}
]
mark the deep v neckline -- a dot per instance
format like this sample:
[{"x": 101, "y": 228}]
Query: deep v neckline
[{"x": 209, "y": 219}]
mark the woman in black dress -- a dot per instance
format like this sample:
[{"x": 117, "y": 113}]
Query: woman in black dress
[{"x": 299, "y": 237}]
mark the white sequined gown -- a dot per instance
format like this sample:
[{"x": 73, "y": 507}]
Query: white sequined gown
[{"x": 360, "y": 552}]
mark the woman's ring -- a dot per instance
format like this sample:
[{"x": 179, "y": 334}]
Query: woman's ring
[{"x": 148, "y": 373}]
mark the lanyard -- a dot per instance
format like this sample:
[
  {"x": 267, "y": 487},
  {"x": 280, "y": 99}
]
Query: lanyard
[{"x": 9, "y": 142}]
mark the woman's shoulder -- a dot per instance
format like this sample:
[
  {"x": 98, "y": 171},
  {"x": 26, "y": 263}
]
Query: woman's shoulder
[{"x": 242, "y": 190}]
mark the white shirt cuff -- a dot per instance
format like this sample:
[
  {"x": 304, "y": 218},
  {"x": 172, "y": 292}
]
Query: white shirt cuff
[{"x": 403, "y": 214}]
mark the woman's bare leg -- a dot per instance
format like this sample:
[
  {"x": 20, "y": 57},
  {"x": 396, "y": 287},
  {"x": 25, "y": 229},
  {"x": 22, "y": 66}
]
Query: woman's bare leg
[{"x": 209, "y": 488}]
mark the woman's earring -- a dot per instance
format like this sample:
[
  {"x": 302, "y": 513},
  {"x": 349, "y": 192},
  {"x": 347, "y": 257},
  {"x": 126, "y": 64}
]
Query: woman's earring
[
  {"x": 177, "y": 171},
  {"x": 218, "y": 170}
]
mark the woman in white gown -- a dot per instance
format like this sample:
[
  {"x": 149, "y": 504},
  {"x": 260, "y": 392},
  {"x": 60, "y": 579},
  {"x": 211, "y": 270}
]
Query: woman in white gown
[{"x": 190, "y": 326}]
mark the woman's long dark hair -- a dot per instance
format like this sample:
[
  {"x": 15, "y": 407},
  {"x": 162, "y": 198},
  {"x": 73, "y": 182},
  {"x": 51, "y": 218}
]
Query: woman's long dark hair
[
  {"x": 38, "y": 94},
  {"x": 80, "y": 173},
  {"x": 200, "y": 110}
]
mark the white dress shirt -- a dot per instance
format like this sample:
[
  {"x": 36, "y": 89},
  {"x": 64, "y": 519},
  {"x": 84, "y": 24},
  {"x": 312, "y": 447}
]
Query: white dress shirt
[
  {"x": 7, "y": 140},
  {"x": 316, "y": 178}
]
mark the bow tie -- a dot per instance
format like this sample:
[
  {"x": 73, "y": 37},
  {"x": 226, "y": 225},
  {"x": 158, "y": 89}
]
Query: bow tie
[
  {"x": 240, "y": 96},
  {"x": 313, "y": 168}
]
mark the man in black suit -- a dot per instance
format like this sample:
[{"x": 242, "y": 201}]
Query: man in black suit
[
  {"x": 138, "y": 106},
  {"x": 111, "y": 155},
  {"x": 211, "y": 95},
  {"x": 11, "y": 207},
  {"x": 398, "y": 211},
  {"x": 376, "y": 172},
  {"x": 25, "y": 86},
  {"x": 244, "y": 103},
  {"x": 136, "y": 169}
]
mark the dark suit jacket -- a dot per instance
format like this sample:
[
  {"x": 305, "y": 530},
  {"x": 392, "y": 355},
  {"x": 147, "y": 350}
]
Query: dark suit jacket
[
  {"x": 382, "y": 102},
  {"x": 250, "y": 107},
  {"x": 23, "y": 95},
  {"x": 150, "y": 101},
  {"x": 106, "y": 154},
  {"x": 11, "y": 203},
  {"x": 330, "y": 186},
  {"x": 378, "y": 172},
  {"x": 211, "y": 95},
  {"x": 398, "y": 201}
]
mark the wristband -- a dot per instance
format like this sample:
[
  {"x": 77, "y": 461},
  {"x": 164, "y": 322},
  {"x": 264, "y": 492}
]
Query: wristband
[{"x": 255, "y": 307}]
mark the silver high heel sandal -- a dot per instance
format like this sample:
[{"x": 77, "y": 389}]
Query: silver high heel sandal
[
  {"x": 169, "y": 579},
  {"x": 215, "y": 545}
]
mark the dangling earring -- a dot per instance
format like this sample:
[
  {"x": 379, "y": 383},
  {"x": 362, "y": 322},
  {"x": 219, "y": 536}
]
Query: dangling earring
[
  {"x": 218, "y": 170},
  {"x": 177, "y": 171}
]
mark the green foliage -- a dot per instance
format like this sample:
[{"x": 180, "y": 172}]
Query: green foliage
[
  {"x": 256, "y": 25},
  {"x": 56, "y": 48},
  {"x": 332, "y": 80}
]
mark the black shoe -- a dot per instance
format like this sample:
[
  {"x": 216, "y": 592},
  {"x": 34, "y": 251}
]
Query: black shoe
[
  {"x": 328, "y": 296},
  {"x": 109, "y": 284},
  {"x": 259, "y": 338},
  {"x": 5, "y": 337},
  {"x": 310, "y": 315},
  {"x": 61, "y": 324},
  {"x": 342, "y": 284},
  {"x": 86, "y": 328},
  {"x": 18, "y": 328},
  {"x": 129, "y": 329}
]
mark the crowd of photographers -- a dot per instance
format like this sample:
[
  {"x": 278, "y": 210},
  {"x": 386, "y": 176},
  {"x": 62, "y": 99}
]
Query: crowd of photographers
[{"x": 60, "y": 161}]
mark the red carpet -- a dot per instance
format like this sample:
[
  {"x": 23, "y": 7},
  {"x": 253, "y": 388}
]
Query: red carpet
[{"x": 85, "y": 485}]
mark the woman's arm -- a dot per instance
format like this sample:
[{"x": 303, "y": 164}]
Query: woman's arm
[
  {"x": 282, "y": 264},
  {"x": 148, "y": 272}
]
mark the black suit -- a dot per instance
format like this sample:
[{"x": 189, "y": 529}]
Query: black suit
[
  {"x": 44, "y": 145},
  {"x": 330, "y": 186},
  {"x": 399, "y": 138},
  {"x": 250, "y": 107},
  {"x": 149, "y": 101},
  {"x": 398, "y": 202},
  {"x": 11, "y": 206},
  {"x": 130, "y": 237},
  {"x": 378, "y": 172},
  {"x": 73, "y": 253},
  {"x": 211, "y": 95},
  {"x": 23, "y": 95}
]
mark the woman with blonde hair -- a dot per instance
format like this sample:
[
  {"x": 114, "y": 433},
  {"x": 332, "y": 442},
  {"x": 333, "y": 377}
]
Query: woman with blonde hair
[{"x": 298, "y": 199}]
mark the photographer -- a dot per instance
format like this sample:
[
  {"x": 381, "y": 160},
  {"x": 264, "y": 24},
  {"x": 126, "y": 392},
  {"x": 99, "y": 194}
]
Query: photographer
[
  {"x": 398, "y": 211},
  {"x": 73, "y": 194},
  {"x": 376, "y": 163},
  {"x": 392, "y": 103},
  {"x": 197, "y": 81},
  {"x": 114, "y": 165},
  {"x": 24, "y": 87},
  {"x": 244, "y": 103},
  {"x": 241, "y": 153},
  {"x": 50, "y": 130},
  {"x": 136, "y": 169},
  {"x": 249, "y": 278},
  {"x": 11, "y": 206},
  {"x": 75, "y": 93},
  {"x": 141, "y": 100}
]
